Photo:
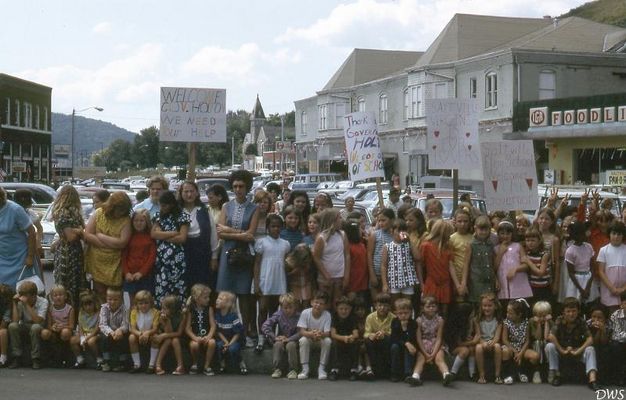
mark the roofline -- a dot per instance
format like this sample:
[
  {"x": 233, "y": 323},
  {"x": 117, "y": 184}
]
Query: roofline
[
  {"x": 23, "y": 81},
  {"x": 345, "y": 88}
]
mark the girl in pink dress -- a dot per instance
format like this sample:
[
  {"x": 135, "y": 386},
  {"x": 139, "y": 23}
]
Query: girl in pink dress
[{"x": 512, "y": 273}]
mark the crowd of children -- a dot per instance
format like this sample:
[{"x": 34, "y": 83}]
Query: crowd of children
[{"x": 516, "y": 302}]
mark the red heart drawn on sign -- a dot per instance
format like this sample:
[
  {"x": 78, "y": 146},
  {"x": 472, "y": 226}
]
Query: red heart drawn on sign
[
  {"x": 436, "y": 133},
  {"x": 434, "y": 146},
  {"x": 469, "y": 147},
  {"x": 467, "y": 134},
  {"x": 495, "y": 185},
  {"x": 529, "y": 182}
]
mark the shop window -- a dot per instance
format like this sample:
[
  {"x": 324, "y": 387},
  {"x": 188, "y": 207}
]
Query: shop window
[
  {"x": 491, "y": 90},
  {"x": 547, "y": 85},
  {"x": 382, "y": 109}
]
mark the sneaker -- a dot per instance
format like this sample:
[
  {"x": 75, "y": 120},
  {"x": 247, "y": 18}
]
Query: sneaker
[
  {"x": 292, "y": 375},
  {"x": 105, "y": 367},
  {"x": 556, "y": 381},
  {"x": 243, "y": 369},
  {"x": 333, "y": 375},
  {"x": 258, "y": 349},
  {"x": 79, "y": 365},
  {"x": 193, "y": 370},
  {"x": 447, "y": 378},
  {"x": 249, "y": 342},
  {"x": 321, "y": 374},
  {"x": 523, "y": 378},
  {"x": 277, "y": 373},
  {"x": 369, "y": 375},
  {"x": 36, "y": 363},
  {"x": 413, "y": 381},
  {"x": 498, "y": 380},
  {"x": 135, "y": 369},
  {"x": 509, "y": 380},
  {"x": 537, "y": 377},
  {"x": 207, "y": 372},
  {"x": 303, "y": 375},
  {"x": 551, "y": 375}
]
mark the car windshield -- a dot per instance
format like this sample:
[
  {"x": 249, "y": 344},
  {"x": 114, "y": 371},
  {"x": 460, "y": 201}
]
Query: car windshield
[{"x": 348, "y": 193}]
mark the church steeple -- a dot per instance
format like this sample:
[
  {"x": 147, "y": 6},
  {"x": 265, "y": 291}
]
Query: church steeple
[{"x": 257, "y": 111}]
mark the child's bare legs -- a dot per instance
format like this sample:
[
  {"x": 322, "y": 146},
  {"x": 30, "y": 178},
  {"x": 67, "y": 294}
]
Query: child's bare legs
[
  {"x": 4, "y": 346},
  {"x": 481, "y": 350},
  {"x": 194, "y": 349},
  {"x": 419, "y": 364},
  {"x": 178, "y": 353},
  {"x": 210, "y": 350},
  {"x": 440, "y": 362},
  {"x": 92, "y": 345}
]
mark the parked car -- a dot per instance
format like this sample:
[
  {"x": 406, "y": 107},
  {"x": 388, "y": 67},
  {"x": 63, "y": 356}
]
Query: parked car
[
  {"x": 445, "y": 197},
  {"x": 575, "y": 193},
  {"x": 336, "y": 188},
  {"x": 42, "y": 195},
  {"x": 370, "y": 199},
  {"x": 49, "y": 233}
]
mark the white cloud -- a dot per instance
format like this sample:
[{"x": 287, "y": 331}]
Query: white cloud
[
  {"x": 102, "y": 27},
  {"x": 242, "y": 65},
  {"x": 407, "y": 24}
]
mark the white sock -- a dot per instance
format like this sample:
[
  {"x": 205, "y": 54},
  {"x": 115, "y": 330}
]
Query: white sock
[
  {"x": 261, "y": 340},
  {"x": 154, "y": 352},
  {"x": 305, "y": 369},
  {"x": 79, "y": 359},
  {"x": 458, "y": 363},
  {"x": 415, "y": 375},
  {"x": 471, "y": 365},
  {"x": 136, "y": 359},
  {"x": 3, "y": 358},
  {"x": 99, "y": 360},
  {"x": 368, "y": 369}
]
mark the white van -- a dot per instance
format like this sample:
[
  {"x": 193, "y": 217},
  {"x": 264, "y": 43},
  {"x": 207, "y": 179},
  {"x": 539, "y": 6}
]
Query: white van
[{"x": 309, "y": 182}]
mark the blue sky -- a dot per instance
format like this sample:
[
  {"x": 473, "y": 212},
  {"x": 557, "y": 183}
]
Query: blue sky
[{"x": 116, "y": 54}]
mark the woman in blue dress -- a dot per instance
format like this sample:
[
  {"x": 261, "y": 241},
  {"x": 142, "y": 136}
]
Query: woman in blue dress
[
  {"x": 17, "y": 241},
  {"x": 237, "y": 225},
  {"x": 170, "y": 228}
]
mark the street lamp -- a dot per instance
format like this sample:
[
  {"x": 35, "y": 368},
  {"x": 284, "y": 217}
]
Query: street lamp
[{"x": 74, "y": 111}]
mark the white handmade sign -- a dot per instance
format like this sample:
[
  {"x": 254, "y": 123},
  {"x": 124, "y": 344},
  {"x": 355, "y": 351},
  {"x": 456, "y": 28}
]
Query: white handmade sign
[
  {"x": 365, "y": 159},
  {"x": 193, "y": 115},
  {"x": 452, "y": 134},
  {"x": 510, "y": 175}
]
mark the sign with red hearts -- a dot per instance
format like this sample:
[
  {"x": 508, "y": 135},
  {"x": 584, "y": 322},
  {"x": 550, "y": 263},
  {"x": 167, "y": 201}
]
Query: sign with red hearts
[
  {"x": 510, "y": 175},
  {"x": 452, "y": 134}
]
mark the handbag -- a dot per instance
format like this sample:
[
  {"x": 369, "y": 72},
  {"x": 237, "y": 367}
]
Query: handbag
[
  {"x": 239, "y": 256},
  {"x": 34, "y": 279}
]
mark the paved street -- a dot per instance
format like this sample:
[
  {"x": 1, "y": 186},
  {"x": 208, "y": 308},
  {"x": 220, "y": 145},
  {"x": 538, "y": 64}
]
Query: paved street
[{"x": 93, "y": 385}]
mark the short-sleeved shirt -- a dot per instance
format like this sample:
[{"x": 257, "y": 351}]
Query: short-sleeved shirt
[
  {"x": 344, "y": 326},
  {"x": 573, "y": 336},
  {"x": 41, "y": 308},
  {"x": 580, "y": 256},
  {"x": 308, "y": 321},
  {"x": 229, "y": 325}
]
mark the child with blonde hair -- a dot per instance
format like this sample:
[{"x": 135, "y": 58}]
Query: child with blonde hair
[
  {"x": 60, "y": 321},
  {"x": 171, "y": 326},
  {"x": 200, "y": 328},
  {"x": 539, "y": 329},
  {"x": 282, "y": 329},
  {"x": 490, "y": 329},
  {"x": 230, "y": 331},
  {"x": 86, "y": 337},
  {"x": 144, "y": 321}
]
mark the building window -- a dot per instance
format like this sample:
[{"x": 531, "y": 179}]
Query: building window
[
  {"x": 361, "y": 103},
  {"x": 340, "y": 112},
  {"x": 7, "y": 112},
  {"x": 441, "y": 90},
  {"x": 323, "y": 111},
  {"x": 416, "y": 101},
  {"x": 17, "y": 113},
  {"x": 303, "y": 123},
  {"x": 382, "y": 109},
  {"x": 45, "y": 118},
  {"x": 473, "y": 88},
  {"x": 491, "y": 90},
  {"x": 28, "y": 115},
  {"x": 37, "y": 116},
  {"x": 405, "y": 113},
  {"x": 547, "y": 85}
]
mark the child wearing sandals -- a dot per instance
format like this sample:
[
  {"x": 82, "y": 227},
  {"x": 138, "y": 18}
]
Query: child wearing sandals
[
  {"x": 516, "y": 341},
  {"x": 490, "y": 330},
  {"x": 430, "y": 343},
  {"x": 86, "y": 338},
  {"x": 144, "y": 322},
  {"x": 171, "y": 327},
  {"x": 200, "y": 328}
]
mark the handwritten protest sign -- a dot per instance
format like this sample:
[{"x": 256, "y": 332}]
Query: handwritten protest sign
[
  {"x": 510, "y": 175},
  {"x": 365, "y": 160},
  {"x": 452, "y": 134},
  {"x": 193, "y": 115}
]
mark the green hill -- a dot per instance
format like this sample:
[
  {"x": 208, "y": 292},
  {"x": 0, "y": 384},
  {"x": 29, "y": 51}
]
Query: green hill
[
  {"x": 605, "y": 11},
  {"x": 90, "y": 135}
]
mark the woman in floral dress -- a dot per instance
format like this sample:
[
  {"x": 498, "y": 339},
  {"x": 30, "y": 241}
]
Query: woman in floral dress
[
  {"x": 170, "y": 228},
  {"x": 68, "y": 257}
]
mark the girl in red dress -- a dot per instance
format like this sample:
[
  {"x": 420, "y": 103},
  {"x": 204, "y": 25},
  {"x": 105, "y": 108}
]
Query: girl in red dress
[{"x": 436, "y": 257}]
